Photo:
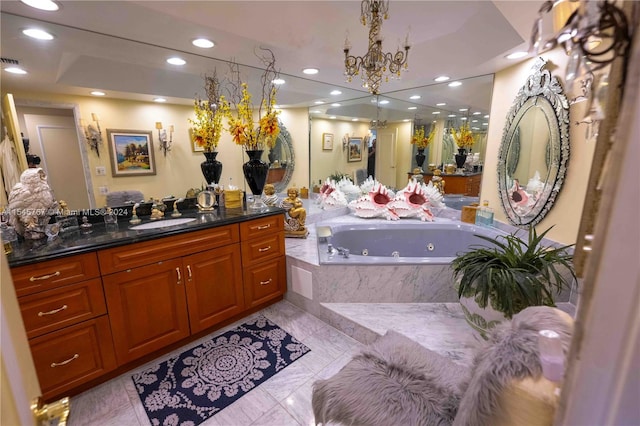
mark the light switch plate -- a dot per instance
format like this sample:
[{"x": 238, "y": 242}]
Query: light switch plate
[
  {"x": 103, "y": 190},
  {"x": 101, "y": 171}
]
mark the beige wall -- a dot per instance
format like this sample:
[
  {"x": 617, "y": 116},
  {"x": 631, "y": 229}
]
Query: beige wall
[
  {"x": 567, "y": 210},
  {"x": 327, "y": 162},
  {"x": 180, "y": 169}
]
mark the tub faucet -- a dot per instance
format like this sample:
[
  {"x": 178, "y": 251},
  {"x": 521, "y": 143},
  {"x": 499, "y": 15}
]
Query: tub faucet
[
  {"x": 330, "y": 248},
  {"x": 343, "y": 252}
]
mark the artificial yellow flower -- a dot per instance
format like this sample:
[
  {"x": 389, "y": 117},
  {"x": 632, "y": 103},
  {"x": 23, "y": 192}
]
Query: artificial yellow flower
[
  {"x": 463, "y": 136},
  {"x": 420, "y": 141}
]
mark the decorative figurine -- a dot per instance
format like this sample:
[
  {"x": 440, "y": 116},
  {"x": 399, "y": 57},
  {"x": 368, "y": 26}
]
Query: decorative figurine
[
  {"x": 437, "y": 181},
  {"x": 31, "y": 204},
  {"x": 294, "y": 223},
  {"x": 85, "y": 227},
  {"x": 134, "y": 217},
  {"x": 64, "y": 208},
  {"x": 175, "y": 212},
  {"x": 269, "y": 196},
  {"x": 157, "y": 210}
]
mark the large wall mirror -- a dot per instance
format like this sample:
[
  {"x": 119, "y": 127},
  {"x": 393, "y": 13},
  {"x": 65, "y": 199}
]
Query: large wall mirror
[
  {"x": 385, "y": 123},
  {"x": 534, "y": 152}
]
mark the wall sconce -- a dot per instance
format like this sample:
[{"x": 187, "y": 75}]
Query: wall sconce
[
  {"x": 92, "y": 133},
  {"x": 165, "y": 143}
]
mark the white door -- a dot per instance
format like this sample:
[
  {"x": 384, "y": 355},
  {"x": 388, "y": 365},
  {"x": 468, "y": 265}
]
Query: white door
[
  {"x": 55, "y": 140},
  {"x": 386, "y": 146}
]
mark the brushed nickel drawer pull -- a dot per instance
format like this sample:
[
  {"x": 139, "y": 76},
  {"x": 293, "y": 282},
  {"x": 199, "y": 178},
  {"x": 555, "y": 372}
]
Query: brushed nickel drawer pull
[
  {"x": 44, "y": 277},
  {"x": 59, "y": 364},
  {"x": 55, "y": 311},
  {"x": 264, "y": 227},
  {"x": 179, "y": 275},
  {"x": 189, "y": 271},
  {"x": 267, "y": 248},
  {"x": 266, "y": 282}
]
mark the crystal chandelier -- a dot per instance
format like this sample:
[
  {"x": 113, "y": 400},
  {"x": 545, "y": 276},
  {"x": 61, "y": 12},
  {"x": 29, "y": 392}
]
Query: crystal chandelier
[{"x": 375, "y": 63}]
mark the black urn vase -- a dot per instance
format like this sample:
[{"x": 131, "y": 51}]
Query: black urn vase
[
  {"x": 420, "y": 157},
  {"x": 255, "y": 173},
  {"x": 461, "y": 157},
  {"x": 211, "y": 168}
]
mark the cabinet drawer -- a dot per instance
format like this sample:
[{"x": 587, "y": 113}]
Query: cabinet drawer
[
  {"x": 264, "y": 282},
  {"x": 74, "y": 355},
  {"x": 53, "y": 309},
  {"x": 139, "y": 254},
  {"x": 50, "y": 274},
  {"x": 258, "y": 250},
  {"x": 261, "y": 227}
]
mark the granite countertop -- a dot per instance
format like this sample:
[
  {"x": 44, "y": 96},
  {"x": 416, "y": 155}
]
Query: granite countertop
[{"x": 100, "y": 237}]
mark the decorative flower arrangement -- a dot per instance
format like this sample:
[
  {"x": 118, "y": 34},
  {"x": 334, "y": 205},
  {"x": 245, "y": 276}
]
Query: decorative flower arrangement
[
  {"x": 463, "y": 136},
  {"x": 420, "y": 141},
  {"x": 241, "y": 125},
  {"x": 207, "y": 126}
]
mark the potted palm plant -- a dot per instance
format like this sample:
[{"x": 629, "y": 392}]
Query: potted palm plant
[{"x": 497, "y": 281}]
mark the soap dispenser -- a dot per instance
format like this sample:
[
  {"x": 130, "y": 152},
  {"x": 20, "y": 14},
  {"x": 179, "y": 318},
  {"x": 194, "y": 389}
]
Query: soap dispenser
[{"x": 484, "y": 214}]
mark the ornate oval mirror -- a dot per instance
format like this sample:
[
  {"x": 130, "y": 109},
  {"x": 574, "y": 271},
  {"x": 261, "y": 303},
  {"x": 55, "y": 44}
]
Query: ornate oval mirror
[
  {"x": 281, "y": 160},
  {"x": 533, "y": 155}
]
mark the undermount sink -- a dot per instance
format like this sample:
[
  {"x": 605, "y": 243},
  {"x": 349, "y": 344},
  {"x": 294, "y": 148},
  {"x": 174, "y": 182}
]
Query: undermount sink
[{"x": 162, "y": 223}]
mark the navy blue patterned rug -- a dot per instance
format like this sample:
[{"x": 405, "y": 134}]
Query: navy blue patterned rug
[{"x": 198, "y": 383}]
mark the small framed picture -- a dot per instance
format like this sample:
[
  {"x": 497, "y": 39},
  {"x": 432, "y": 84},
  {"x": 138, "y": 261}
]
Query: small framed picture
[
  {"x": 131, "y": 152},
  {"x": 354, "y": 150},
  {"x": 194, "y": 144},
  {"x": 327, "y": 141}
]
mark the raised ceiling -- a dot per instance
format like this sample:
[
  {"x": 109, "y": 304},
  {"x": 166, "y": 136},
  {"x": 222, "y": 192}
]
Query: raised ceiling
[{"x": 121, "y": 46}]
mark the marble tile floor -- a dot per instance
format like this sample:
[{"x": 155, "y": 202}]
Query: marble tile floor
[{"x": 282, "y": 400}]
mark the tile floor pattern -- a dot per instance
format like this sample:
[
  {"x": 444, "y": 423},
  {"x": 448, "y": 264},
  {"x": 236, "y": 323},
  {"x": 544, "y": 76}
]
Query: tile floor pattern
[{"x": 282, "y": 400}]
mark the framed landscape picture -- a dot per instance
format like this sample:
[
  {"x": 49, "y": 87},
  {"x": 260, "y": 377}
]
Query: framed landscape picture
[
  {"x": 327, "y": 141},
  {"x": 131, "y": 152},
  {"x": 354, "y": 150}
]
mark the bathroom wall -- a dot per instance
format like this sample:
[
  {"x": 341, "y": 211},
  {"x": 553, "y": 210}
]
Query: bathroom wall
[
  {"x": 180, "y": 169},
  {"x": 567, "y": 210}
]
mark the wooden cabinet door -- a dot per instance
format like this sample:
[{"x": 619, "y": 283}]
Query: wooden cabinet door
[
  {"x": 214, "y": 286},
  {"x": 147, "y": 308},
  {"x": 264, "y": 282}
]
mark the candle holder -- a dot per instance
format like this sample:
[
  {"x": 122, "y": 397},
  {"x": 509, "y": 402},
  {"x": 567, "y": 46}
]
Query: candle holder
[{"x": 164, "y": 140}]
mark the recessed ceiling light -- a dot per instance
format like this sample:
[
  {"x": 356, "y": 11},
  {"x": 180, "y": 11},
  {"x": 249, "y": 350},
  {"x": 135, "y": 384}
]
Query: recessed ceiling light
[
  {"x": 412, "y": 108},
  {"x": 463, "y": 118},
  {"x": 406, "y": 120},
  {"x": 335, "y": 105},
  {"x": 485, "y": 124},
  {"x": 434, "y": 121},
  {"x": 354, "y": 119},
  {"x": 435, "y": 112},
  {"x": 451, "y": 115},
  {"x": 204, "y": 43},
  {"x": 176, "y": 61},
  {"x": 278, "y": 81},
  {"x": 455, "y": 84},
  {"x": 336, "y": 92},
  {"x": 316, "y": 111},
  {"x": 441, "y": 78},
  {"x": 383, "y": 102},
  {"x": 486, "y": 116},
  {"x": 15, "y": 70},
  {"x": 516, "y": 55},
  {"x": 475, "y": 128},
  {"x": 463, "y": 109},
  {"x": 42, "y": 4},
  {"x": 441, "y": 104},
  {"x": 37, "y": 34},
  {"x": 333, "y": 117},
  {"x": 311, "y": 71},
  {"x": 474, "y": 121},
  {"x": 160, "y": 100},
  {"x": 477, "y": 113},
  {"x": 98, "y": 93},
  {"x": 415, "y": 97},
  {"x": 318, "y": 102}
]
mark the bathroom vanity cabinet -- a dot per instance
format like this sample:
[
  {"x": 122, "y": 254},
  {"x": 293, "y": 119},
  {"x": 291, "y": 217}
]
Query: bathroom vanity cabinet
[
  {"x": 89, "y": 314},
  {"x": 467, "y": 184}
]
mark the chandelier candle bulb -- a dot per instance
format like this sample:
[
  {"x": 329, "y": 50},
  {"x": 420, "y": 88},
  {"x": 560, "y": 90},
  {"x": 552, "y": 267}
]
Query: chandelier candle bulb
[
  {"x": 94, "y": 116},
  {"x": 158, "y": 125}
]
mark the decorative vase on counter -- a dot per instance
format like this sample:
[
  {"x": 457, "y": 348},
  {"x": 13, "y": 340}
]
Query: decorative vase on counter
[
  {"x": 211, "y": 168},
  {"x": 255, "y": 172},
  {"x": 461, "y": 157},
  {"x": 420, "y": 157}
]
